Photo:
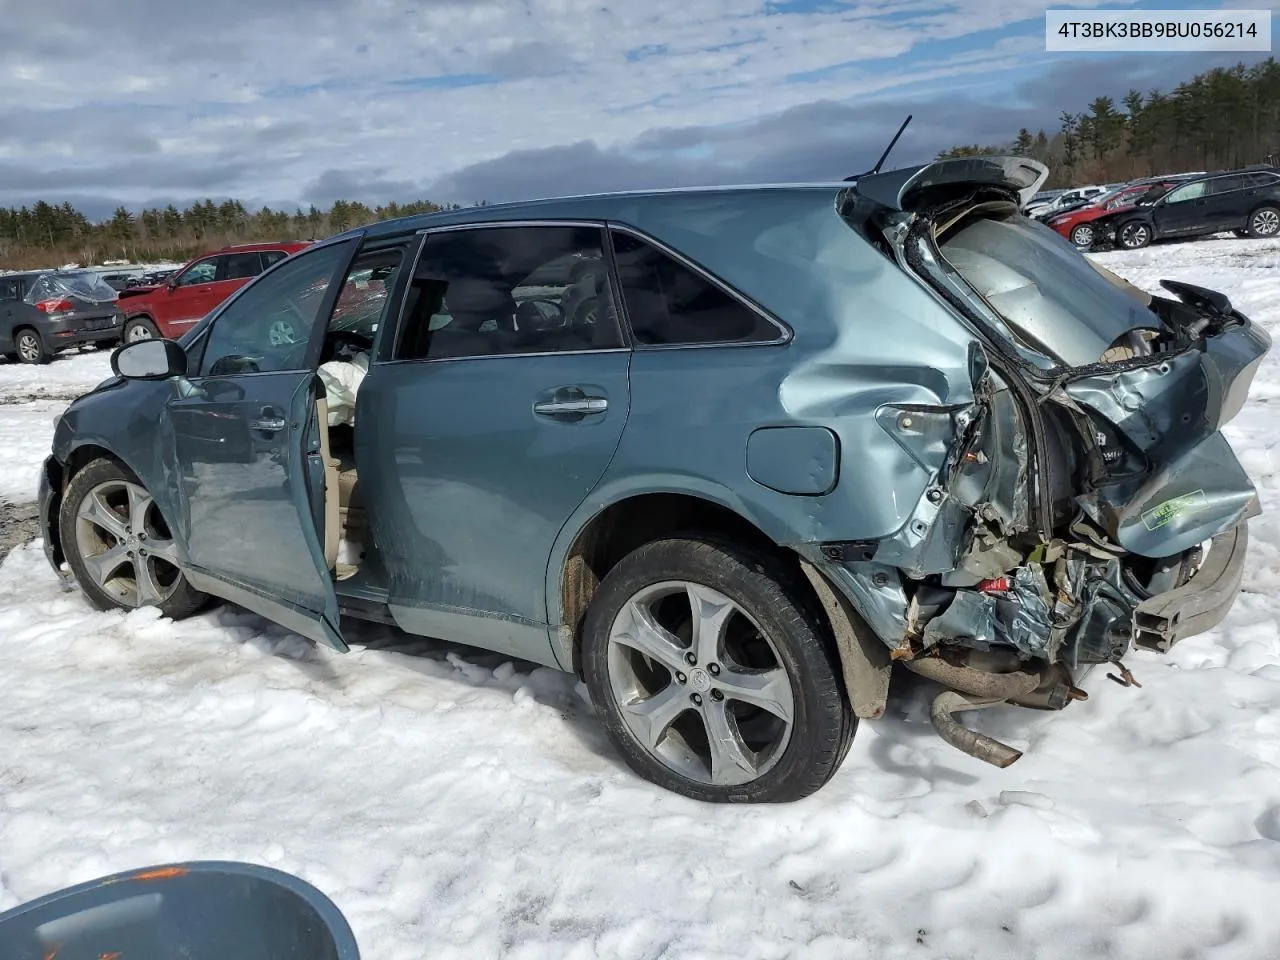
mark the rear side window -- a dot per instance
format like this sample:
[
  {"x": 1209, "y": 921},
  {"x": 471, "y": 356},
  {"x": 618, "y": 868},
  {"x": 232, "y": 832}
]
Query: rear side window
[
  {"x": 1258, "y": 180},
  {"x": 10, "y": 289},
  {"x": 670, "y": 304},
  {"x": 1226, "y": 185},
  {"x": 238, "y": 266},
  {"x": 43, "y": 288},
  {"x": 272, "y": 256}
]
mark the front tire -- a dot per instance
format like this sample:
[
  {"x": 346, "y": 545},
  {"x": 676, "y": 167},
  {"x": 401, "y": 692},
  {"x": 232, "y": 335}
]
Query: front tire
[
  {"x": 1264, "y": 222},
  {"x": 713, "y": 676},
  {"x": 30, "y": 348},
  {"x": 119, "y": 546},
  {"x": 1134, "y": 235},
  {"x": 139, "y": 328}
]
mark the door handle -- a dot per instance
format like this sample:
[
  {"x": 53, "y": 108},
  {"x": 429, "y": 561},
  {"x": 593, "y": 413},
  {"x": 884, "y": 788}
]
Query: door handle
[
  {"x": 552, "y": 408},
  {"x": 269, "y": 424}
]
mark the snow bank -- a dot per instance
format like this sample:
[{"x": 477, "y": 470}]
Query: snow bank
[{"x": 454, "y": 805}]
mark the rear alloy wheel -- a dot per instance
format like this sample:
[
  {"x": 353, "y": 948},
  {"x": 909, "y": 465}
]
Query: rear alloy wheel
[
  {"x": 1082, "y": 236},
  {"x": 1264, "y": 222},
  {"x": 119, "y": 546},
  {"x": 140, "y": 328},
  {"x": 1134, "y": 235},
  {"x": 711, "y": 678},
  {"x": 30, "y": 348}
]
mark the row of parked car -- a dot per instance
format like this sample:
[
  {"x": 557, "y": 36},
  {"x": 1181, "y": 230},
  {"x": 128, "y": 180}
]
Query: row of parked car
[
  {"x": 1179, "y": 206},
  {"x": 45, "y": 311}
]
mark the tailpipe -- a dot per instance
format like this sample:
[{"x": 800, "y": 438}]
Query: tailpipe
[{"x": 979, "y": 745}]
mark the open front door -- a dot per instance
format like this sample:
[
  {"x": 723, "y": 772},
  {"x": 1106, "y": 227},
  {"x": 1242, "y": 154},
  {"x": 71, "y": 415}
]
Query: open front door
[{"x": 246, "y": 447}]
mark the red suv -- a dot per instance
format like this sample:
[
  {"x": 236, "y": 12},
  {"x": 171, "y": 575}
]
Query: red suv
[{"x": 171, "y": 308}]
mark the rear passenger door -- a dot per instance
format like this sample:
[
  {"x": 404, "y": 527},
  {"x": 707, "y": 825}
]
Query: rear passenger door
[
  {"x": 1228, "y": 203},
  {"x": 500, "y": 402}
]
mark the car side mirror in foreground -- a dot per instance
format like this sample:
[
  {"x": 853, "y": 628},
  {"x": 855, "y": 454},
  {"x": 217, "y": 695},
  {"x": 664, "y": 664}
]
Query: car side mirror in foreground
[
  {"x": 150, "y": 360},
  {"x": 203, "y": 910}
]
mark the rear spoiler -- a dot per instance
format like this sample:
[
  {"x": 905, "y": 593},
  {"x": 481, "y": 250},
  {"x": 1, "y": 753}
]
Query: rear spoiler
[{"x": 897, "y": 189}]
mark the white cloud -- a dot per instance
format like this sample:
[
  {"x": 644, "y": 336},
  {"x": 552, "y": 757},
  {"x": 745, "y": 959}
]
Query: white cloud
[{"x": 290, "y": 89}]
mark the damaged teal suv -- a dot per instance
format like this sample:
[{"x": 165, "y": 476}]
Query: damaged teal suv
[{"x": 729, "y": 455}]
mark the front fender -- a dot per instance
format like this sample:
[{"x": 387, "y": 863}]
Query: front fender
[{"x": 126, "y": 421}]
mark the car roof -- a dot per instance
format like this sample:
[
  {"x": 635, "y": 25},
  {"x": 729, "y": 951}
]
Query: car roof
[
  {"x": 622, "y": 206},
  {"x": 294, "y": 245}
]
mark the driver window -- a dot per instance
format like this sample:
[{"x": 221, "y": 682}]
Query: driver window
[
  {"x": 268, "y": 327},
  {"x": 493, "y": 291},
  {"x": 202, "y": 271},
  {"x": 1192, "y": 191}
]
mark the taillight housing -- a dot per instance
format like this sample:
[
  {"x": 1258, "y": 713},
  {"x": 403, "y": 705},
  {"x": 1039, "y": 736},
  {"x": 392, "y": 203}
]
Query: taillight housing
[{"x": 55, "y": 305}]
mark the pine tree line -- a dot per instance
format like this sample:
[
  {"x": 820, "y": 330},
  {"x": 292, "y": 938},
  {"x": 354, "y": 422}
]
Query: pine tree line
[
  {"x": 1224, "y": 118},
  {"x": 47, "y": 235}
]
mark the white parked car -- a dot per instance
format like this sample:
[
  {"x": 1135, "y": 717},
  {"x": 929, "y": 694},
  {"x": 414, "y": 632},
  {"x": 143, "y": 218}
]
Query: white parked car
[{"x": 1070, "y": 198}]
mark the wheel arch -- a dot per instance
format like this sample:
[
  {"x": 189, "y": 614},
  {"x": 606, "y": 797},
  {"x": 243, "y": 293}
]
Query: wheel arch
[
  {"x": 1264, "y": 204},
  {"x": 79, "y": 457},
  {"x": 627, "y": 522},
  {"x": 591, "y": 544}
]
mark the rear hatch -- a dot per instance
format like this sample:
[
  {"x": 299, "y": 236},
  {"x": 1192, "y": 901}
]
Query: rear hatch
[
  {"x": 1142, "y": 383},
  {"x": 81, "y": 298}
]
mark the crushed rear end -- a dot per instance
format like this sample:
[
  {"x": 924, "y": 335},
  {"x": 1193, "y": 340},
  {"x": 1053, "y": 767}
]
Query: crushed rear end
[{"x": 1086, "y": 502}]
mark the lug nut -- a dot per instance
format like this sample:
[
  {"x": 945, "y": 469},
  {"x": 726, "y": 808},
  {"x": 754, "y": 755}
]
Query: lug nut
[
  {"x": 690, "y": 659},
  {"x": 697, "y": 700},
  {"x": 717, "y": 696},
  {"x": 714, "y": 669},
  {"x": 680, "y": 677}
]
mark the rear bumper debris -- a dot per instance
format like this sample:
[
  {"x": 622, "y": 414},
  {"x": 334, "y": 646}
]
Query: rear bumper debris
[{"x": 1201, "y": 603}]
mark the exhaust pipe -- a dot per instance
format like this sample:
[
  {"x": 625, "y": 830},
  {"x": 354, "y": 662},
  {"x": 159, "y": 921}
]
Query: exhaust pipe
[
  {"x": 974, "y": 690},
  {"x": 979, "y": 745}
]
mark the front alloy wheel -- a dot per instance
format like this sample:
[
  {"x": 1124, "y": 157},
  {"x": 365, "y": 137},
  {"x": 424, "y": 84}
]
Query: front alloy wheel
[
  {"x": 713, "y": 676},
  {"x": 1135, "y": 235},
  {"x": 119, "y": 546}
]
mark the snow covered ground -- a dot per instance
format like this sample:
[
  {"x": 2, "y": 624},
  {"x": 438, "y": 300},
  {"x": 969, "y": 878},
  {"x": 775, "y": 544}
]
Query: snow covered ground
[{"x": 455, "y": 805}]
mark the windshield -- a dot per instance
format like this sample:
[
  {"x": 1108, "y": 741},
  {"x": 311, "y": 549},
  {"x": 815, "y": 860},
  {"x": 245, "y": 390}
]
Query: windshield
[
  {"x": 84, "y": 284},
  {"x": 1044, "y": 288}
]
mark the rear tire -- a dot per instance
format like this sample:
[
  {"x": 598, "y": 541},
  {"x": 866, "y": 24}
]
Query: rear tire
[
  {"x": 1264, "y": 222},
  {"x": 665, "y": 697},
  {"x": 119, "y": 546},
  {"x": 139, "y": 328},
  {"x": 29, "y": 346}
]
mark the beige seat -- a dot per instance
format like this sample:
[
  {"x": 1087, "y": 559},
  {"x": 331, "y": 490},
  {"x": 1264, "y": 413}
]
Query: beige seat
[{"x": 332, "y": 516}]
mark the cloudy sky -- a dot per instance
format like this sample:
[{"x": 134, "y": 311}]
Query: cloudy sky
[{"x": 296, "y": 101}]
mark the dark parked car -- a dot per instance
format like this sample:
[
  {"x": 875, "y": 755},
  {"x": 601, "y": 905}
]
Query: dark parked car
[
  {"x": 45, "y": 311},
  {"x": 1077, "y": 224},
  {"x": 149, "y": 279},
  {"x": 1245, "y": 202},
  {"x": 799, "y": 435},
  {"x": 117, "y": 281}
]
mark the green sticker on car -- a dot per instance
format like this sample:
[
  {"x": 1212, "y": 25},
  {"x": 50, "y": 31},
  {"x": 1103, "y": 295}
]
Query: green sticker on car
[{"x": 1165, "y": 513}]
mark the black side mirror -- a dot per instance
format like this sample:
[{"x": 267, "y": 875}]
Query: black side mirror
[{"x": 150, "y": 360}]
